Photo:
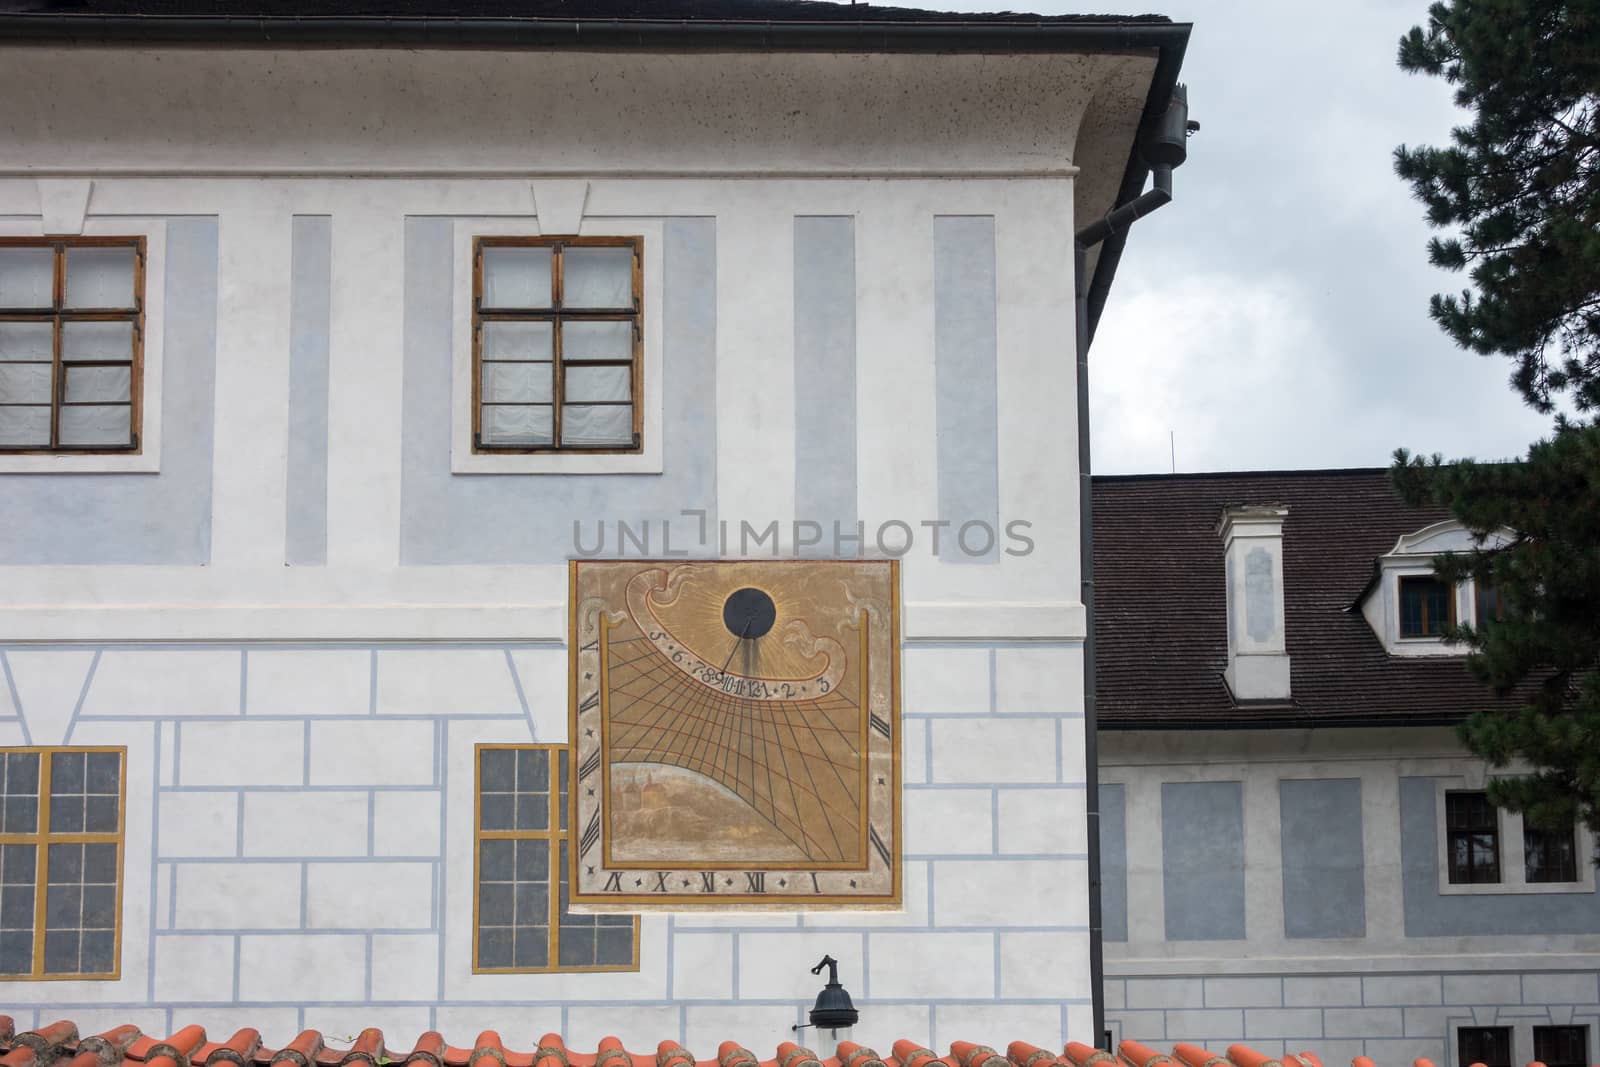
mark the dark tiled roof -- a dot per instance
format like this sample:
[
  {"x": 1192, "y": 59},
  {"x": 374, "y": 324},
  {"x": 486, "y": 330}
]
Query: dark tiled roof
[
  {"x": 58, "y": 1045},
  {"x": 567, "y": 10},
  {"x": 1160, "y": 616}
]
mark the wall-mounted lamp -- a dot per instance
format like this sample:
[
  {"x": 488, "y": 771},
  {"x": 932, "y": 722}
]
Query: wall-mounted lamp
[{"x": 833, "y": 1009}]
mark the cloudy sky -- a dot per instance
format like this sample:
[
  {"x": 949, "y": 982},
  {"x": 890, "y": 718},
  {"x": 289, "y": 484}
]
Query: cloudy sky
[{"x": 1275, "y": 314}]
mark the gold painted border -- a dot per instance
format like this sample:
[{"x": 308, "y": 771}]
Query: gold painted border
[
  {"x": 42, "y": 839},
  {"x": 771, "y": 902}
]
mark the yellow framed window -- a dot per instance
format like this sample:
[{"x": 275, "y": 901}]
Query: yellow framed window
[
  {"x": 521, "y": 922},
  {"x": 61, "y": 834}
]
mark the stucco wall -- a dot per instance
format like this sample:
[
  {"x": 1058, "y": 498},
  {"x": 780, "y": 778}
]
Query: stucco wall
[
  {"x": 1349, "y": 943},
  {"x": 300, "y": 833},
  {"x": 309, "y": 603}
]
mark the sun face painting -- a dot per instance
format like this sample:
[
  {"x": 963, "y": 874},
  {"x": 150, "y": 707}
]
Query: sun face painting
[{"x": 736, "y": 733}]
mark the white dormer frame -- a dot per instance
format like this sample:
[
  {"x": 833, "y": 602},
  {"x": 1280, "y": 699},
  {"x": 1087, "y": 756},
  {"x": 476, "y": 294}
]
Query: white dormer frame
[{"x": 1412, "y": 556}]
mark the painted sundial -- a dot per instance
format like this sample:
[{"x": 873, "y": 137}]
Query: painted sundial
[{"x": 736, "y": 730}]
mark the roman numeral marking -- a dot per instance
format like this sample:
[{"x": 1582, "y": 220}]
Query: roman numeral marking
[
  {"x": 614, "y": 882},
  {"x": 878, "y": 845},
  {"x": 590, "y": 702},
  {"x": 661, "y": 882},
  {"x": 590, "y": 765},
  {"x": 815, "y": 888},
  {"x": 879, "y": 724},
  {"x": 590, "y": 647},
  {"x": 591, "y": 835},
  {"x": 755, "y": 881},
  {"x": 708, "y": 881}
]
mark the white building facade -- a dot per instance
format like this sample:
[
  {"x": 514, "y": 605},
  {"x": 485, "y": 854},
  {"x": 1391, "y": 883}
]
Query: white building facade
[
  {"x": 299, "y": 593},
  {"x": 1300, "y": 855}
]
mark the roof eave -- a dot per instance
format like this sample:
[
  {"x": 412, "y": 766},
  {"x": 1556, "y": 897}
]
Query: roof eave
[{"x": 738, "y": 35}]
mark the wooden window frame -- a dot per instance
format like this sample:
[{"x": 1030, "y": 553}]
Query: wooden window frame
[
  {"x": 1451, "y": 833},
  {"x": 556, "y": 315},
  {"x": 42, "y": 838},
  {"x": 557, "y": 833},
  {"x": 1400, "y": 598},
  {"x": 59, "y": 314}
]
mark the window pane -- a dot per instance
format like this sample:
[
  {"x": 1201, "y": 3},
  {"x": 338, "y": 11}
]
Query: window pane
[
  {"x": 86, "y": 384},
  {"x": 584, "y": 425},
  {"x": 1469, "y": 811},
  {"x": 16, "y": 952},
  {"x": 494, "y": 946},
  {"x": 1550, "y": 856},
  {"x": 532, "y": 947},
  {"x": 102, "y": 773},
  {"x": 97, "y": 340},
  {"x": 27, "y": 277},
  {"x": 496, "y": 903},
  {"x": 596, "y": 340},
  {"x": 597, "y": 278},
  {"x": 533, "y": 904},
  {"x": 25, "y": 383},
  {"x": 97, "y": 425},
  {"x": 533, "y": 861},
  {"x": 61, "y": 952},
  {"x": 25, "y": 426},
  {"x": 520, "y": 426},
  {"x": 1490, "y": 1045},
  {"x": 17, "y": 864},
  {"x": 533, "y": 770},
  {"x": 98, "y": 951},
  {"x": 577, "y": 946},
  {"x": 1424, "y": 606},
  {"x": 518, "y": 340},
  {"x": 517, "y": 383},
  {"x": 16, "y": 907},
  {"x": 497, "y": 770},
  {"x": 1561, "y": 1046},
  {"x": 516, "y": 278},
  {"x": 20, "y": 815},
  {"x": 100, "y": 277},
  {"x": 26, "y": 341},
  {"x": 599, "y": 383},
  {"x": 1487, "y": 602},
  {"x": 533, "y": 811},
  {"x": 614, "y": 945}
]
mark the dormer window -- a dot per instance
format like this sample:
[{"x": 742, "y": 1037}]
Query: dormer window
[
  {"x": 1409, "y": 607},
  {"x": 1427, "y": 606}
]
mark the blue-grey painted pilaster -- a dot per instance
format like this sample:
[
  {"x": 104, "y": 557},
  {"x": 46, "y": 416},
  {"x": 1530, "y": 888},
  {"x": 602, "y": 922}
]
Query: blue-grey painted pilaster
[
  {"x": 825, "y": 373},
  {"x": 160, "y": 518},
  {"x": 1324, "y": 892},
  {"x": 1430, "y": 913},
  {"x": 310, "y": 275},
  {"x": 1202, "y": 860},
  {"x": 529, "y": 518},
  {"x": 965, "y": 374},
  {"x": 1113, "y": 863}
]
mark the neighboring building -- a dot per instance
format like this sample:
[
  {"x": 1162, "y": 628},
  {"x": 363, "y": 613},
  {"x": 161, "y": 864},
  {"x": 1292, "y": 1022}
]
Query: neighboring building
[
  {"x": 1296, "y": 851},
  {"x": 331, "y": 332}
]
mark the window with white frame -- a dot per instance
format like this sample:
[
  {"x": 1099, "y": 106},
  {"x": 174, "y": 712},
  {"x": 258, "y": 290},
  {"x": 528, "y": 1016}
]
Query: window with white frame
[
  {"x": 1409, "y": 607},
  {"x": 1488, "y": 850}
]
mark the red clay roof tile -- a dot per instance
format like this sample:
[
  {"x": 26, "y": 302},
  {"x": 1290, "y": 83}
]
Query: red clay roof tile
[{"x": 59, "y": 1045}]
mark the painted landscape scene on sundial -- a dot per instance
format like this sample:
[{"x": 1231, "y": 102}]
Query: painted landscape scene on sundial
[{"x": 736, "y": 725}]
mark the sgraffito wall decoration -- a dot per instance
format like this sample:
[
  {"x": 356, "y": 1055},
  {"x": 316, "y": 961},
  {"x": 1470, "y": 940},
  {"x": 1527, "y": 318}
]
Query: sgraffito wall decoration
[{"x": 736, "y": 728}]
